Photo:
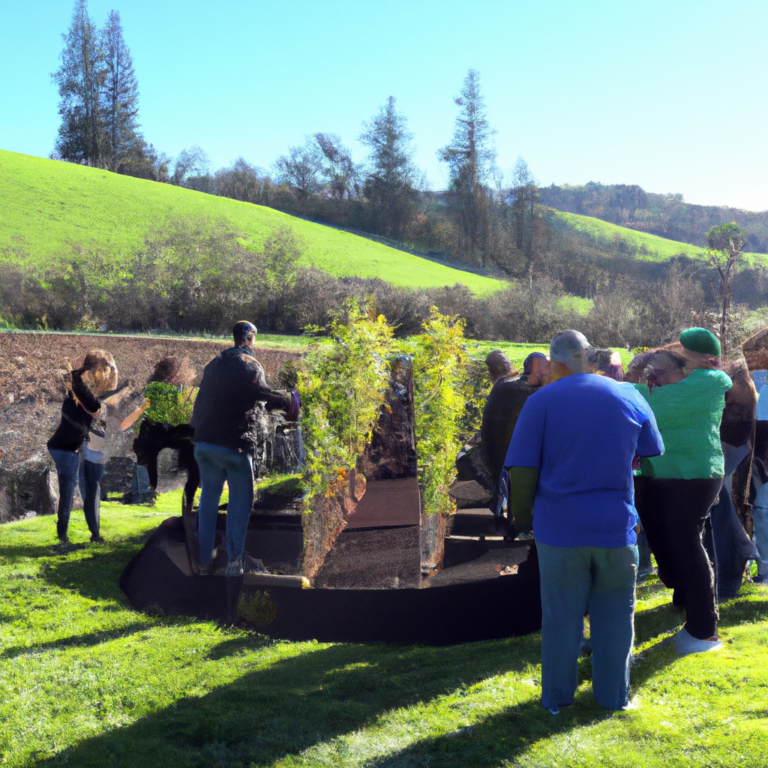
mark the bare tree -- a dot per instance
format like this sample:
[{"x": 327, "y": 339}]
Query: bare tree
[
  {"x": 300, "y": 169},
  {"x": 339, "y": 170},
  {"x": 726, "y": 244},
  {"x": 192, "y": 162}
]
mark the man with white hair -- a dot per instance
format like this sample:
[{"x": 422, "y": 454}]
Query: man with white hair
[{"x": 570, "y": 466}]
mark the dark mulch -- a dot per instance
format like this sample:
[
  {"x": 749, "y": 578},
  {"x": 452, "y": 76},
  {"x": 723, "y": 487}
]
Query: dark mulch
[{"x": 385, "y": 558}]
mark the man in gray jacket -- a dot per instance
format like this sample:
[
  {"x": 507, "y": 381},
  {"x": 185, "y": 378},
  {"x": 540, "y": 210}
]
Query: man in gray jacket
[{"x": 224, "y": 420}]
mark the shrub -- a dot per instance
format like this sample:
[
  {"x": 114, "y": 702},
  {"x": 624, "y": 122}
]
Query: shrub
[
  {"x": 168, "y": 404},
  {"x": 343, "y": 385},
  {"x": 441, "y": 389}
]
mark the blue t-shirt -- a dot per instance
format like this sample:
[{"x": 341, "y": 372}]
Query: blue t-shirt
[{"x": 581, "y": 433}]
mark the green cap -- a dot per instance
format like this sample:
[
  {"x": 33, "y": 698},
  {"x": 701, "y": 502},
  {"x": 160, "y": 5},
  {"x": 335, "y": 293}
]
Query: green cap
[{"x": 700, "y": 340}]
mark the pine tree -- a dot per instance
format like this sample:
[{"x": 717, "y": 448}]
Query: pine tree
[
  {"x": 80, "y": 79},
  {"x": 120, "y": 97},
  {"x": 391, "y": 174},
  {"x": 470, "y": 157}
]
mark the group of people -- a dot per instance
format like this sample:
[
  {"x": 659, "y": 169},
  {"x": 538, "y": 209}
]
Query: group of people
[
  {"x": 224, "y": 426},
  {"x": 581, "y": 456},
  {"x": 592, "y": 461}
]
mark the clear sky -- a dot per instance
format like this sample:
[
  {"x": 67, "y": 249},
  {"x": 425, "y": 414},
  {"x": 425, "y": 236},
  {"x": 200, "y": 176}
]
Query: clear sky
[{"x": 668, "y": 94}]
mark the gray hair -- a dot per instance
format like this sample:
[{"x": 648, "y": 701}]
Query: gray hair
[{"x": 570, "y": 349}]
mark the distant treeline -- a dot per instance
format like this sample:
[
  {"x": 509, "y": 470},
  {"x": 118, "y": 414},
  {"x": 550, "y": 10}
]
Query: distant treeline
[
  {"x": 482, "y": 219},
  {"x": 196, "y": 275},
  {"x": 666, "y": 215}
]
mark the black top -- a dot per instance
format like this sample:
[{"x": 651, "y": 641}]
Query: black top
[
  {"x": 224, "y": 414},
  {"x": 503, "y": 406},
  {"x": 75, "y": 421}
]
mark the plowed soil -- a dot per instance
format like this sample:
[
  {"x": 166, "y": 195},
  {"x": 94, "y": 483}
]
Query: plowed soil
[{"x": 33, "y": 367}]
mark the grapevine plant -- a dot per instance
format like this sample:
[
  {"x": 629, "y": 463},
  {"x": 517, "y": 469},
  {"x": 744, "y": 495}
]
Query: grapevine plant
[
  {"x": 168, "y": 405},
  {"x": 442, "y": 395},
  {"x": 342, "y": 386}
]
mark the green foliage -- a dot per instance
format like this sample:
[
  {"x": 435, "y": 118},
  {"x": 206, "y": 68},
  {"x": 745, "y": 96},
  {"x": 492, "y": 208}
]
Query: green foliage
[
  {"x": 442, "y": 391},
  {"x": 728, "y": 238},
  {"x": 60, "y": 213},
  {"x": 167, "y": 404},
  {"x": 342, "y": 387}
]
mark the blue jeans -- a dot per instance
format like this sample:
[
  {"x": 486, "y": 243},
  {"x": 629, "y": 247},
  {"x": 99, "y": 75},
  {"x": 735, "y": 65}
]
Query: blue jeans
[
  {"x": 89, "y": 481},
  {"x": 67, "y": 465},
  {"x": 574, "y": 579},
  {"x": 219, "y": 464},
  {"x": 732, "y": 546}
]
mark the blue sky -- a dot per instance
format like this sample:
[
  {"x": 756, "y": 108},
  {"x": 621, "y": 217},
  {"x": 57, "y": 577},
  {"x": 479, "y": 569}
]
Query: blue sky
[{"x": 669, "y": 95}]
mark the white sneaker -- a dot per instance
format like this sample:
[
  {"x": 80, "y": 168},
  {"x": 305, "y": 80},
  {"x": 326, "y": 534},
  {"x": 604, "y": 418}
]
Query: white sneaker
[{"x": 686, "y": 643}]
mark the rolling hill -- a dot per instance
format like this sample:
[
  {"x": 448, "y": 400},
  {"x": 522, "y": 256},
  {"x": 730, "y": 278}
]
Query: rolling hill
[
  {"x": 612, "y": 239},
  {"x": 50, "y": 209}
]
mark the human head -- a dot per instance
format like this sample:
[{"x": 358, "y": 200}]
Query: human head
[
  {"x": 700, "y": 348},
  {"x": 99, "y": 371},
  {"x": 665, "y": 367},
  {"x": 568, "y": 354},
  {"x": 536, "y": 368},
  {"x": 499, "y": 366},
  {"x": 244, "y": 333},
  {"x": 606, "y": 362}
]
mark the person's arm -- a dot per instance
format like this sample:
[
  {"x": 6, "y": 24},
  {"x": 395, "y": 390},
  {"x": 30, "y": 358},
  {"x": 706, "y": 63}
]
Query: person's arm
[
  {"x": 649, "y": 441},
  {"x": 522, "y": 493},
  {"x": 523, "y": 462},
  {"x": 133, "y": 417},
  {"x": 88, "y": 401},
  {"x": 275, "y": 399}
]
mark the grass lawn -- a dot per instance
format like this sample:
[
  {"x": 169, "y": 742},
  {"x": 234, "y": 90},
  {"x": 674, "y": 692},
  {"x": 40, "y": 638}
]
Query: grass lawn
[
  {"x": 51, "y": 207},
  {"x": 86, "y": 681}
]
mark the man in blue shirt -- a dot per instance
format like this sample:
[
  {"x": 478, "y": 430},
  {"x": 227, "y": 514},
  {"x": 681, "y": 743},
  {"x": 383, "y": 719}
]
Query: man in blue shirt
[{"x": 570, "y": 465}]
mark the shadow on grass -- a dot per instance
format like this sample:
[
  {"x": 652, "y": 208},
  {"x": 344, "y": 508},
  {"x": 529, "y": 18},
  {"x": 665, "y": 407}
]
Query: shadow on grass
[
  {"x": 95, "y": 572},
  {"x": 90, "y": 639},
  {"x": 296, "y": 703}
]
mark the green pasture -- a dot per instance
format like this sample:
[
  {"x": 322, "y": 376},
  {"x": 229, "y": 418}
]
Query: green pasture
[
  {"x": 52, "y": 210},
  {"x": 86, "y": 681},
  {"x": 644, "y": 246}
]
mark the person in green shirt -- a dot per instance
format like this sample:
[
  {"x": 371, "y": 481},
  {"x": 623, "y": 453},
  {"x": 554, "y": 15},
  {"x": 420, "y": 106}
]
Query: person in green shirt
[{"x": 675, "y": 492}]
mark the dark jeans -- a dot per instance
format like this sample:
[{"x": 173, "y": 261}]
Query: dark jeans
[
  {"x": 90, "y": 489},
  {"x": 674, "y": 514},
  {"x": 67, "y": 465},
  {"x": 732, "y": 545}
]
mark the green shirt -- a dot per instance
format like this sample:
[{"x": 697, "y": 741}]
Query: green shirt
[{"x": 688, "y": 415}]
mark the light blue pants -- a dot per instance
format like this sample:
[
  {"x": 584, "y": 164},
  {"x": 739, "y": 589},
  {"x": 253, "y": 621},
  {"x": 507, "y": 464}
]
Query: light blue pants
[
  {"x": 574, "y": 579},
  {"x": 219, "y": 464}
]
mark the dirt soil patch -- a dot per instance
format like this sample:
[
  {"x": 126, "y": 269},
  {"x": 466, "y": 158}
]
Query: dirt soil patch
[{"x": 33, "y": 366}]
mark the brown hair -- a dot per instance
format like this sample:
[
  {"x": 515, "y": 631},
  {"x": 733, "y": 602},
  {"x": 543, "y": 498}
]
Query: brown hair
[
  {"x": 498, "y": 364},
  {"x": 103, "y": 370}
]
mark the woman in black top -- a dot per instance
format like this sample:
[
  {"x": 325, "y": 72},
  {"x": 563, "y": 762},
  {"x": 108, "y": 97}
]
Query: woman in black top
[{"x": 78, "y": 411}]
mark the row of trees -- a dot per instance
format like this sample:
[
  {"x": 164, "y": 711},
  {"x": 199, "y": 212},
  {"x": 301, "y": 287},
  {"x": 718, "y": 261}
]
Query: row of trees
[
  {"x": 99, "y": 99},
  {"x": 482, "y": 222},
  {"x": 479, "y": 219}
]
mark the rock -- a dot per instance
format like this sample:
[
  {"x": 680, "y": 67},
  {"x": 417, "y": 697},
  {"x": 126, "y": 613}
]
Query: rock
[
  {"x": 469, "y": 494},
  {"x": 118, "y": 476},
  {"x": 29, "y": 487}
]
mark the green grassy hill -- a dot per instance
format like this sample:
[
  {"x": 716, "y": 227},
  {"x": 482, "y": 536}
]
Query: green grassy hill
[
  {"x": 612, "y": 238},
  {"x": 50, "y": 208}
]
